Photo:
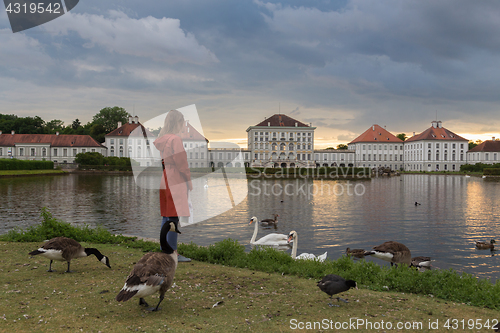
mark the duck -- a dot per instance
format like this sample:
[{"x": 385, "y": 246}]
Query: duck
[
  {"x": 394, "y": 252},
  {"x": 293, "y": 236},
  {"x": 333, "y": 284},
  {"x": 269, "y": 222},
  {"x": 154, "y": 272},
  {"x": 358, "y": 253},
  {"x": 485, "y": 245},
  {"x": 420, "y": 262},
  {"x": 273, "y": 239},
  {"x": 417, "y": 203},
  {"x": 65, "y": 249}
]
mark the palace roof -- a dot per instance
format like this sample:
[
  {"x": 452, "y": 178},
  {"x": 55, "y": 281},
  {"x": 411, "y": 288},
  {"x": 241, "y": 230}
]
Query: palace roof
[
  {"x": 377, "y": 134},
  {"x": 55, "y": 140},
  {"x": 487, "y": 146}
]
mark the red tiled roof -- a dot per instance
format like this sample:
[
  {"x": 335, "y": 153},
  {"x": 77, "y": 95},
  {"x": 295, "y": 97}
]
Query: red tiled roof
[
  {"x": 376, "y": 134},
  {"x": 62, "y": 140},
  {"x": 436, "y": 133},
  {"x": 126, "y": 129},
  {"x": 489, "y": 145},
  {"x": 281, "y": 120}
]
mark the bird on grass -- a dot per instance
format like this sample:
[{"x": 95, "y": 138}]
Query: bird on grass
[
  {"x": 154, "y": 272},
  {"x": 394, "y": 252},
  {"x": 358, "y": 253},
  {"x": 334, "y": 284},
  {"x": 420, "y": 262},
  {"x": 65, "y": 249}
]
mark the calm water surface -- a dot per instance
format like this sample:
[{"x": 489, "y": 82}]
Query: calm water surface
[{"x": 455, "y": 211}]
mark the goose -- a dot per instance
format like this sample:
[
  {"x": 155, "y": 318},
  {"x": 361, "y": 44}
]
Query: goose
[
  {"x": 333, "y": 284},
  {"x": 152, "y": 273},
  {"x": 269, "y": 222},
  {"x": 358, "y": 253},
  {"x": 485, "y": 245},
  {"x": 421, "y": 262},
  {"x": 307, "y": 256},
  {"x": 394, "y": 252},
  {"x": 271, "y": 239},
  {"x": 65, "y": 249}
]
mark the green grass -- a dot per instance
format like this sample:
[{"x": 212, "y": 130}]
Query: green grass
[
  {"x": 29, "y": 172},
  {"x": 444, "y": 284},
  {"x": 35, "y": 300}
]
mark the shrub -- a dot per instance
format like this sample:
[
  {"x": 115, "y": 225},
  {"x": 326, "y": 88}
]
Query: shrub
[
  {"x": 491, "y": 171},
  {"x": 15, "y": 164}
]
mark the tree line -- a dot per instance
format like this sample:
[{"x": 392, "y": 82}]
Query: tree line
[{"x": 105, "y": 121}]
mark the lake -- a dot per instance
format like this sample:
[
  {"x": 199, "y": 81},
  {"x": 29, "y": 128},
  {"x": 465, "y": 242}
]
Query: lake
[{"x": 328, "y": 215}]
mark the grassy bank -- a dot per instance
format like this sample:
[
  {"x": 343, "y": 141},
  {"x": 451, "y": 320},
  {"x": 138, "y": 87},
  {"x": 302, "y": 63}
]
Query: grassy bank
[
  {"x": 38, "y": 301},
  {"x": 261, "y": 290},
  {"x": 20, "y": 173}
]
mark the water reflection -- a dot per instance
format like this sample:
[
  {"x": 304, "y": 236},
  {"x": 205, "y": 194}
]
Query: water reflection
[{"x": 454, "y": 213}]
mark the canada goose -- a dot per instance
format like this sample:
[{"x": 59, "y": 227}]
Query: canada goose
[
  {"x": 421, "y": 262},
  {"x": 485, "y": 245},
  {"x": 153, "y": 272},
  {"x": 333, "y": 284},
  {"x": 65, "y": 249},
  {"x": 393, "y": 252},
  {"x": 270, "y": 239},
  {"x": 358, "y": 253},
  {"x": 308, "y": 256},
  {"x": 270, "y": 221}
]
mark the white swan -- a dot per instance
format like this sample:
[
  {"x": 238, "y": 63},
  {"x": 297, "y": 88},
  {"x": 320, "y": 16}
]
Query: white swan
[
  {"x": 307, "y": 256},
  {"x": 271, "y": 239}
]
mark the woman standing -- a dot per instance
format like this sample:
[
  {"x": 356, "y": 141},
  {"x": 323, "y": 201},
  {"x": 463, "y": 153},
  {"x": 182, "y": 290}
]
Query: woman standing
[{"x": 176, "y": 179}]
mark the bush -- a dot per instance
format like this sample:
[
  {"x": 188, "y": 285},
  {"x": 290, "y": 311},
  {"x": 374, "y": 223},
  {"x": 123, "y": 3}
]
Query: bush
[
  {"x": 491, "y": 171},
  {"x": 478, "y": 167},
  {"x": 15, "y": 164},
  {"x": 93, "y": 160}
]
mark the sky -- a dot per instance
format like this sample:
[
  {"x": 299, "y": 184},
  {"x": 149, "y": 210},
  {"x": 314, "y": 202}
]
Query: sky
[{"x": 339, "y": 65}]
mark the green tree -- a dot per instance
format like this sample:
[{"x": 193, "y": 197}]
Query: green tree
[
  {"x": 473, "y": 144},
  {"x": 76, "y": 124},
  {"x": 342, "y": 146},
  {"x": 109, "y": 117},
  {"x": 97, "y": 131},
  {"x": 329, "y": 148},
  {"x": 89, "y": 158},
  {"x": 402, "y": 136},
  {"x": 54, "y": 126}
]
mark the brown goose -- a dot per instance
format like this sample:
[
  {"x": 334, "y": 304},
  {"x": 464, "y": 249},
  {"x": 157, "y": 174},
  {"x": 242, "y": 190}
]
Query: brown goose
[
  {"x": 154, "y": 272},
  {"x": 268, "y": 222},
  {"x": 394, "y": 252},
  {"x": 421, "y": 262},
  {"x": 333, "y": 284},
  {"x": 484, "y": 245},
  {"x": 358, "y": 253},
  {"x": 65, "y": 249}
]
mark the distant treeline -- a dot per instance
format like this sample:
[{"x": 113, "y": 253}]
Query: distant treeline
[
  {"x": 102, "y": 123},
  {"x": 14, "y": 164}
]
